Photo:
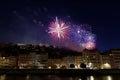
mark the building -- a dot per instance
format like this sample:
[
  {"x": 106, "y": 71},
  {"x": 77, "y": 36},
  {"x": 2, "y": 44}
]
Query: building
[
  {"x": 12, "y": 61},
  {"x": 115, "y": 58},
  {"x": 26, "y": 60},
  {"x": 78, "y": 60},
  {"x": 4, "y": 61},
  {"x": 41, "y": 60},
  {"x": 45, "y": 56},
  {"x": 8, "y": 62},
  {"x": 105, "y": 61},
  {"x": 54, "y": 63},
  {"x": 69, "y": 60},
  {"x": 91, "y": 58}
]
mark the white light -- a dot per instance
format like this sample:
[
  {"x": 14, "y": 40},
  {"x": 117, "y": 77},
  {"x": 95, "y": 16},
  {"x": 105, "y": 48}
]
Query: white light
[
  {"x": 58, "y": 67},
  {"x": 2, "y": 77},
  {"x": 109, "y": 78},
  {"x": 91, "y": 78},
  {"x": 76, "y": 66},
  {"x": 49, "y": 67},
  {"x": 106, "y": 66},
  {"x": 79, "y": 79}
]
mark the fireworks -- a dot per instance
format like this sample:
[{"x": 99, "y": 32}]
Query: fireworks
[
  {"x": 59, "y": 29},
  {"x": 83, "y": 36},
  {"x": 80, "y": 35},
  {"x": 90, "y": 45}
]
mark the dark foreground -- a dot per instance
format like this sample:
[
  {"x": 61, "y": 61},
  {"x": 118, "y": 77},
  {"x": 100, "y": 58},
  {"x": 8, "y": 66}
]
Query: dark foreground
[
  {"x": 61, "y": 71},
  {"x": 59, "y": 77}
]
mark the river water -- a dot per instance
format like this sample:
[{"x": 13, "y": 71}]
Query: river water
[{"x": 58, "y": 77}]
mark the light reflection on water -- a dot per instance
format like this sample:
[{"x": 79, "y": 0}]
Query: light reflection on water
[
  {"x": 108, "y": 78},
  {"x": 90, "y": 78},
  {"x": 2, "y": 77},
  {"x": 57, "y": 77}
]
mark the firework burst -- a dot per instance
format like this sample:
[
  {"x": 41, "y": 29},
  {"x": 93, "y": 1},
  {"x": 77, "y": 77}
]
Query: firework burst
[
  {"x": 83, "y": 36},
  {"x": 59, "y": 29},
  {"x": 90, "y": 45}
]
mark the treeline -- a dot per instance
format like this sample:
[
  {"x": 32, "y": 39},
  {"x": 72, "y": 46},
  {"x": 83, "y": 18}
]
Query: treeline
[{"x": 10, "y": 49}]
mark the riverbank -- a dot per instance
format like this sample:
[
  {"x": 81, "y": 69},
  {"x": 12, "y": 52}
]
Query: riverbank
[{"x": 61, "y": 71}]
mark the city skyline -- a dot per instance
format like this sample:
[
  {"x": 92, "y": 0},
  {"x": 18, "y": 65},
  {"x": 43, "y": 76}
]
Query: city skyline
[
  {"x": 27, "y": 21},
  {"x": 47, "y": 56}
]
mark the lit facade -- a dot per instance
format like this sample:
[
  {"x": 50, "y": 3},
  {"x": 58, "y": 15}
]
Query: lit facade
[
  {"x": 44, "y": 56},
  {"x": 8, "y": 61},
  {"x": 91, "y": 57},
  {"x": 55, "y": 63},
  {"x": 25, "y": 60},
  {"x": 105, "y": 61},
  {"x": 78, "y": 61},
  {"x": 41, "y": 60},
  {"x": 115, "y": 58}
]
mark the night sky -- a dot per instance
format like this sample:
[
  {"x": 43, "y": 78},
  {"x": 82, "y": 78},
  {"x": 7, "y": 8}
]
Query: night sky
[{"x": 26, "y": 21}]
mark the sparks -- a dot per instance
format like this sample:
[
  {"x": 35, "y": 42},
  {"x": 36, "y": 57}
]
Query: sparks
[
  {"x": 59, "y": 29},
  {"x": 83, "y": 37},
  {"x": 90, "y": 45}
]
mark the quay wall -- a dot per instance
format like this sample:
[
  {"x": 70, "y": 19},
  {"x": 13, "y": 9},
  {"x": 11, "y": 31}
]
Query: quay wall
[{"x": 61, "y": 71}]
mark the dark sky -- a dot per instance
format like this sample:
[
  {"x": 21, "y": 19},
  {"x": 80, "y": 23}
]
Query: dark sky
[{"x": 26, "y": 21}]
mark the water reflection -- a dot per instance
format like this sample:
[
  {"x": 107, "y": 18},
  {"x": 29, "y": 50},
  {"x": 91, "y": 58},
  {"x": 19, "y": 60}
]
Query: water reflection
[
  {"x": 74, "y": 78},
  {"x": 57, "y": 77},
  {"x": 2, "y": 77},
  {"x": 90, "y": 78},
  {"x": 28, "y": 77},
  {"x": 107, "y": 77}
]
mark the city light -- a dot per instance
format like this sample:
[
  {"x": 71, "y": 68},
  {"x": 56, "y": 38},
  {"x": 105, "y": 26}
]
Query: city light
[{"x": 106, "y": 66}]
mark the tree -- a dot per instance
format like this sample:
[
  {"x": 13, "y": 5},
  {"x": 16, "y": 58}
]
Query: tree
[
  {"x": 63, "y": 67},
  {"x": 83, "y": 65},
  {"x": 72, "y": 66}
]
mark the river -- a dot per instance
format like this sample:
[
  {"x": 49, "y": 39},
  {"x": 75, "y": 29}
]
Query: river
[{"x": 58, "y": 77}]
